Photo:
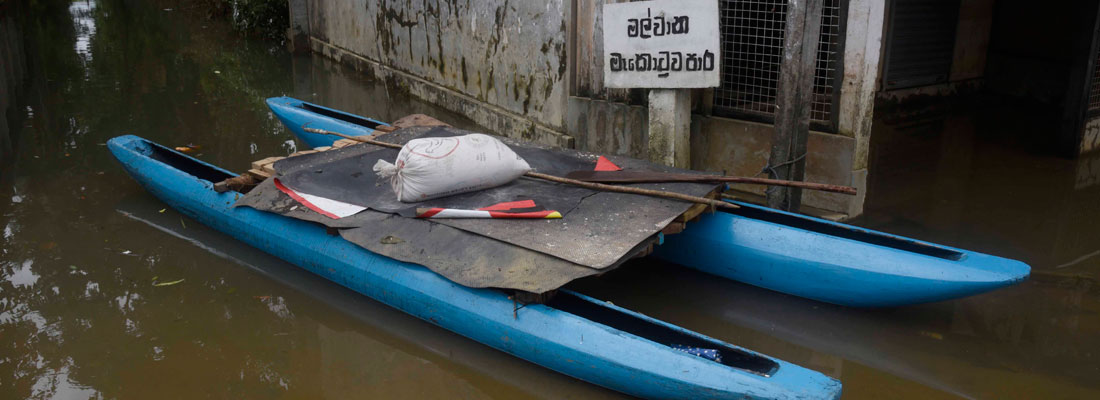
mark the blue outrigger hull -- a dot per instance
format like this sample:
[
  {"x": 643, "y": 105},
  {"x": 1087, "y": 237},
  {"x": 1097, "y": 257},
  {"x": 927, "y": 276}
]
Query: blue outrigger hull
[
  {"x": 563, "y": 341},
  {"x": 296, "y": 115},
  {"x": 833, "y": 262},
  {"x": 791, "y": 253}
]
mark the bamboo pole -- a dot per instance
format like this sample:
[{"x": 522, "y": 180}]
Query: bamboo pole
[
  {"x": 655, "y": 177},
  {"x": 558, "y": 179}
]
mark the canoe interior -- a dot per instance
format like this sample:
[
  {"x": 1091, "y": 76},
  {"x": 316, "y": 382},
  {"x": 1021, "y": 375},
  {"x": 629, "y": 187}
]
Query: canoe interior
[
  {"x": 340, "y": 116},
  {"x": 594, "y": 310},
  {"x": 654, "y": 330},
  {"x": 186, "y": 164},
  {"x": 846, "y": 231}
]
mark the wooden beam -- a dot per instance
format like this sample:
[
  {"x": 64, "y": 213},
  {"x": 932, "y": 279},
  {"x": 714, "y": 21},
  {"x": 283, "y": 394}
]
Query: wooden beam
[
  {"x": 259, "y": 174},
  {"x": 794, "y": 100},
  {"x": 259, "y": 164}
]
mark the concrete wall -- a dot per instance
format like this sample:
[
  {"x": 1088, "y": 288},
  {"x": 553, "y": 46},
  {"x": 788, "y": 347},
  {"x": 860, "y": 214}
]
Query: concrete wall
[
  {"x": 741, "y": 148},
  {"x": 608, "y": 126},
  {"x": 862, "y": 67},
  {"x": 501, "y": 61},
  {"x": 533, "y": 70}
]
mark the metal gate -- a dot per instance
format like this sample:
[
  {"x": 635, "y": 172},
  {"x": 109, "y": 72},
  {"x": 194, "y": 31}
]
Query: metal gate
[{"x": 752, "y": 50}]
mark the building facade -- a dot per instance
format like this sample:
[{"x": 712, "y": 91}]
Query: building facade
[{"x": 533, "y": 70}]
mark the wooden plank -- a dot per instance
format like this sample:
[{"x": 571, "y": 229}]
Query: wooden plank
[
  {"x": 692, "y": 212},
  {"x": 259, "y": 164},
  {"x": 258, "y": 174},
  {"x": 696, "y": 210},
  {"x": 343, "y": 143},
  {"x": 265, "y": 168},
  {"x": 674, "y": 227},
  {"x": 302, "y": 153}
]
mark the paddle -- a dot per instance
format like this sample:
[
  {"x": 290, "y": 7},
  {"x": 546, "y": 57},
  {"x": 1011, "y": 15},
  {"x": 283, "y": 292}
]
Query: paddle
[
  {"x": 654, "y": 177},
  {"x": 558, "y": 179}
]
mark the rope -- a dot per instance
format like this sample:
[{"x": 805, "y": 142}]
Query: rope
[{"x": 770, "y": 169}]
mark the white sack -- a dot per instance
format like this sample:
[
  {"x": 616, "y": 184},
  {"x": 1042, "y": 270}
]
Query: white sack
[{"x": 435, "y": 167}]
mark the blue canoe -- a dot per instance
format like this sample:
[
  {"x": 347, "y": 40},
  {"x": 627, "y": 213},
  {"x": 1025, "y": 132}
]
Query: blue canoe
[
  {"x": 297, "y": 114},
  {"x": 787, "y": 252},
  {"x": 833, "y": 262},
  {"x": 572, "y": 333}
]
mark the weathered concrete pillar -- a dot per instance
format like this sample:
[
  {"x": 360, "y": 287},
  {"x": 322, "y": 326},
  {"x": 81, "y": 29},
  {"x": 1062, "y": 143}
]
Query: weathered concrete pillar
[
  {"x": 670, "y": 127},
  {"x": 863, "y": 48},
  {"x": 297, "y": 35}
]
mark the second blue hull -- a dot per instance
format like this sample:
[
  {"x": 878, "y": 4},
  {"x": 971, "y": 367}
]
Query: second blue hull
[
  {"x": 833, "y": 262},
  {"x": 793, "y": 253}
]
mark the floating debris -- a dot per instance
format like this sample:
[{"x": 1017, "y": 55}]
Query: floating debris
[
  {"x": 932, "y": 335},
  {"x": 188, "y": 149},
  {"x": 168, "y": 283},
  {"x": 390, "y": 239}
]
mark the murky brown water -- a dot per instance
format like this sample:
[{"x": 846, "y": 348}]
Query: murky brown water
[{"x": 83, "y": 244}]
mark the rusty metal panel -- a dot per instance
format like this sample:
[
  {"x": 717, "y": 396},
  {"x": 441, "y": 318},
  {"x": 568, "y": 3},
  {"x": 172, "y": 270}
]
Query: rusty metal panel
[{"x": 921, "y": 42}]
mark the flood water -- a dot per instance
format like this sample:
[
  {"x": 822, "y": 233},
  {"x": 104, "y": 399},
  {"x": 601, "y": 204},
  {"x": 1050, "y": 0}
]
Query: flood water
[{"x": 83, "y": 245}]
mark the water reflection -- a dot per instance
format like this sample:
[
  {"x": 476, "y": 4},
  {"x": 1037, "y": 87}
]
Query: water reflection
[
  {"x": 382, "y": 344},
  {"x": 83, "y": 245},
  {"x": 80, "y": 314},
  {"x": 85, "y": 27},
  {"x": 966, "y": 179}
]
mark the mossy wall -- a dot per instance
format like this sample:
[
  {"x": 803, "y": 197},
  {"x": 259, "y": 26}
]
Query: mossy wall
[{"x": 507, "y": 53}]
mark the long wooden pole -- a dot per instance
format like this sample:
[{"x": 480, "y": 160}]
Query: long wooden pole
[
  {"x": 558, "y": 179},
  {"x": 655, "y": 177}
]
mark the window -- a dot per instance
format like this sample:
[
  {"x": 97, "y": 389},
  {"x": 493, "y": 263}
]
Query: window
[
  {"x": 921, "y": 44},
  {"x": 752, "y": 50}
]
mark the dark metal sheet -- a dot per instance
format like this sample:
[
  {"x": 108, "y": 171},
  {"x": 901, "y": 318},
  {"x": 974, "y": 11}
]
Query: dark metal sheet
[
  {"x": 466, "y": 258},
  {"x": 599, "y": 229}
]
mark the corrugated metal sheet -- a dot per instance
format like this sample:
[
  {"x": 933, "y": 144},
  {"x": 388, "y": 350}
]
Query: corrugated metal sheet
[{"x": 921, "y": 42}]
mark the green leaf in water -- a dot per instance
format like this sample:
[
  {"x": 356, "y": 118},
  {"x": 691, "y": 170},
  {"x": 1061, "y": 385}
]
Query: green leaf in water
[{"x": 168, "y": 283}]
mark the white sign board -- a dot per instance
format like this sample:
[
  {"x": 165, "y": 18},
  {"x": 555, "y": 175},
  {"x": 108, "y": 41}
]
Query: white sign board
[{"x": 661, "y": 44}]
